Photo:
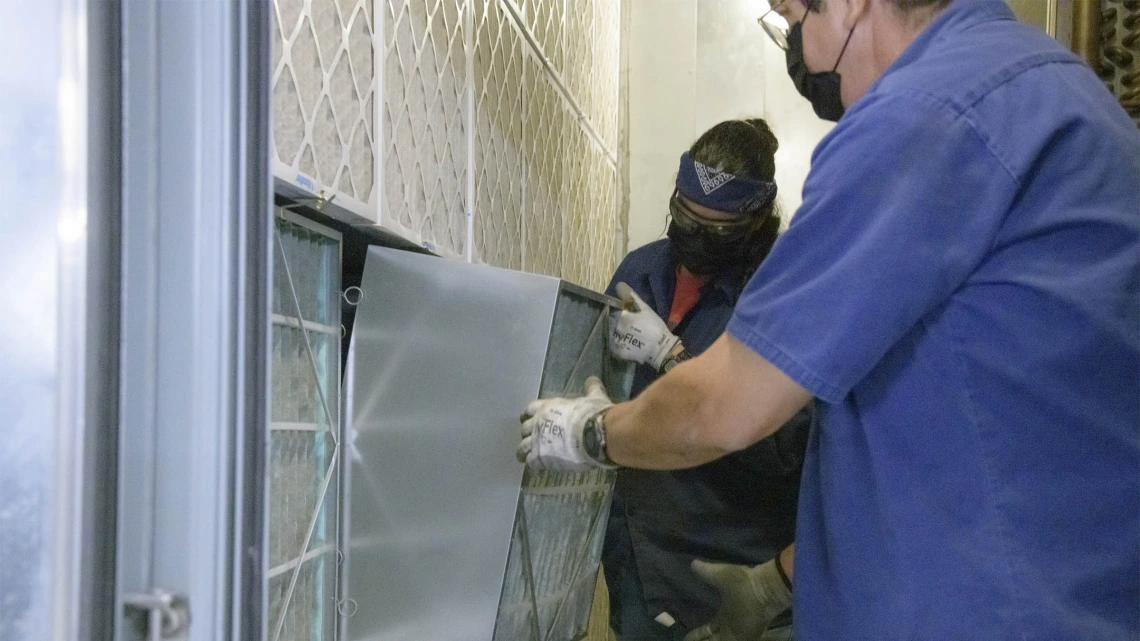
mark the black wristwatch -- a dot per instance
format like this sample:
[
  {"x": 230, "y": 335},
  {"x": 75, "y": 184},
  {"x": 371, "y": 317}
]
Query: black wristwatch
[
  {"x": 594, "y": 440},
  {"x": 673, "y": 360}
]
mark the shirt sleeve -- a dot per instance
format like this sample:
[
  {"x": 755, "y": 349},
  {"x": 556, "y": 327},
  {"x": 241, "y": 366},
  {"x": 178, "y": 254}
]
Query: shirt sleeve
[
  {"x": 631, "y": 270},
  {"x": 620, "y": 274},
  {"x": 903, "y": 202}
]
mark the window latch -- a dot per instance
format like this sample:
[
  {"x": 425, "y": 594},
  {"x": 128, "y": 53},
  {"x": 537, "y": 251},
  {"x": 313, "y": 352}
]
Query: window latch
[{"x": 167, "y": 615}]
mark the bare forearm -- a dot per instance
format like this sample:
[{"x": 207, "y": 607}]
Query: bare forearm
[
  {"x": 663, "y": 427},
  {"x": 723, "y": 401}
]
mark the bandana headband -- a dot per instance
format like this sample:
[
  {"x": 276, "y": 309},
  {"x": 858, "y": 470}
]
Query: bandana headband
[{"x": 721, "y": 190}]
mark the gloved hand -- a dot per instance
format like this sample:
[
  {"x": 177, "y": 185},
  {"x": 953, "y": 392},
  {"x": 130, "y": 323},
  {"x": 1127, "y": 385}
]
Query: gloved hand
[
  {"x": 552, "y": 430},
  {"x": 750, "y": 598},
  {"x": 640, "y": 336}
]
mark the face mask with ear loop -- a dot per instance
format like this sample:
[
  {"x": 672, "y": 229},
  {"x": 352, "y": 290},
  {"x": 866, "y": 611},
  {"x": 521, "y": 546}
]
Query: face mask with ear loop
[{"x": 821, "y": 89}]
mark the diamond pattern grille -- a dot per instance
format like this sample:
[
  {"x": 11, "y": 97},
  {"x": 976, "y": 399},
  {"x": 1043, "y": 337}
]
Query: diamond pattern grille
[
  {"x": 591, "y": 68},
  {"x": 604, "y": 76},
  {"x": 589, "y": 200},
  {"x": 323, "y": 86},
  {"x": 499, "y": 117},
  {"x": 425, "y": 136},
  {"x": 467, "y": 103},
  {"x": 546, "y": 20},
  {"x": 545, "y": 162}
]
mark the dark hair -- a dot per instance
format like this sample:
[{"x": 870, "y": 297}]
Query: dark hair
[
  {"x": 745, "y": 148},
  {"x": 741, "y": 147}
]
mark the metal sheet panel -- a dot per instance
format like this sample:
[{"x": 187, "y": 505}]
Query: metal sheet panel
[{"x": 445, "y": 355}]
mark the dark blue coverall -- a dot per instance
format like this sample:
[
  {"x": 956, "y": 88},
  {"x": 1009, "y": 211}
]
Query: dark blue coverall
[{"x": 739, "y": 509}]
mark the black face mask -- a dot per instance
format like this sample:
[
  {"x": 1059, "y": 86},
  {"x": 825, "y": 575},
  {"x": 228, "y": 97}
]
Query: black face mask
[
  {"x": 708, "y": 247},
  {"x": 821, "y": 89},
  {"x": 704, "y": 253}
]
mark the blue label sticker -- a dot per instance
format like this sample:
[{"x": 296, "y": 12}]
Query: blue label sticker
[{"x": 305, "y": 182}]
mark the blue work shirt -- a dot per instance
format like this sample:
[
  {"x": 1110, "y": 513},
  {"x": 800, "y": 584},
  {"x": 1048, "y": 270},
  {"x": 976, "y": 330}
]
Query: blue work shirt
[
  {"x": 739, "y": 509},
  {"x": 961, "y": 290}
]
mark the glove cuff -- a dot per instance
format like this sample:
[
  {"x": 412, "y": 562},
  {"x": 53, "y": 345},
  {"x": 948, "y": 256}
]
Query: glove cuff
[
  {"x": 768, "y": 580},
  {"x": 667, "y": 346}
]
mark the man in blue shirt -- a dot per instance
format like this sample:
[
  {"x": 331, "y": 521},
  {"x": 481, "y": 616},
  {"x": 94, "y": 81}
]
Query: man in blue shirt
[{"x": 959, "y": 290}]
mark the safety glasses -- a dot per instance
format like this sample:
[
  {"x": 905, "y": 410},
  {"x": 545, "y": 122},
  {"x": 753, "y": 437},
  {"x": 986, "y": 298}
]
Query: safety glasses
[{"x": 689, "y": 220}]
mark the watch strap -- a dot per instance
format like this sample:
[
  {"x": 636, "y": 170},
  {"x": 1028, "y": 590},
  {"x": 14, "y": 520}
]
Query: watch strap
[
  {"x": 594, "y": 440},
  {"x": 674, "y": 360}
]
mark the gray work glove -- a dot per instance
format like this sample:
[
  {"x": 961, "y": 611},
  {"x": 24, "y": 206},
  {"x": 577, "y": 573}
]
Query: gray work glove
[
  {"x": 552, "y": 430},
  {"x": 751, "y": 597},
  {"x": 640, "y": 335}
]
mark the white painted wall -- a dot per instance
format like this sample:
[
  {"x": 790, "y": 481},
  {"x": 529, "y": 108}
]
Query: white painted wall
[
  {"x": 692, "y": 64},
  {"x": 729, "y": 63},
  {"x": 662, "y": 107}
]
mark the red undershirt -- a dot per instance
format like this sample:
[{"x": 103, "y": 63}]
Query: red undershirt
[{"x": 685, "y": 295}]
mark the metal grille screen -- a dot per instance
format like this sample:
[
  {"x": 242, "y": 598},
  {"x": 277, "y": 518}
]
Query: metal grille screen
[
  {"x": 303, "y": 440},
  {"x": 491, "y": 129},
  {"x": 324, "y": 82}
]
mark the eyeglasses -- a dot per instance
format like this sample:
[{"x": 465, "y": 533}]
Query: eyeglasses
[
  {"x": 775, "y": 25},
  {"x": 689, "y": 220}
]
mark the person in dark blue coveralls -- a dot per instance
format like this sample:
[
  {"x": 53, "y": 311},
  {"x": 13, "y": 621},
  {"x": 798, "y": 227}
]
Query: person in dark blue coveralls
[
  {"x": 740, "y": 509},
  {"x": 959, "y": 294}
]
